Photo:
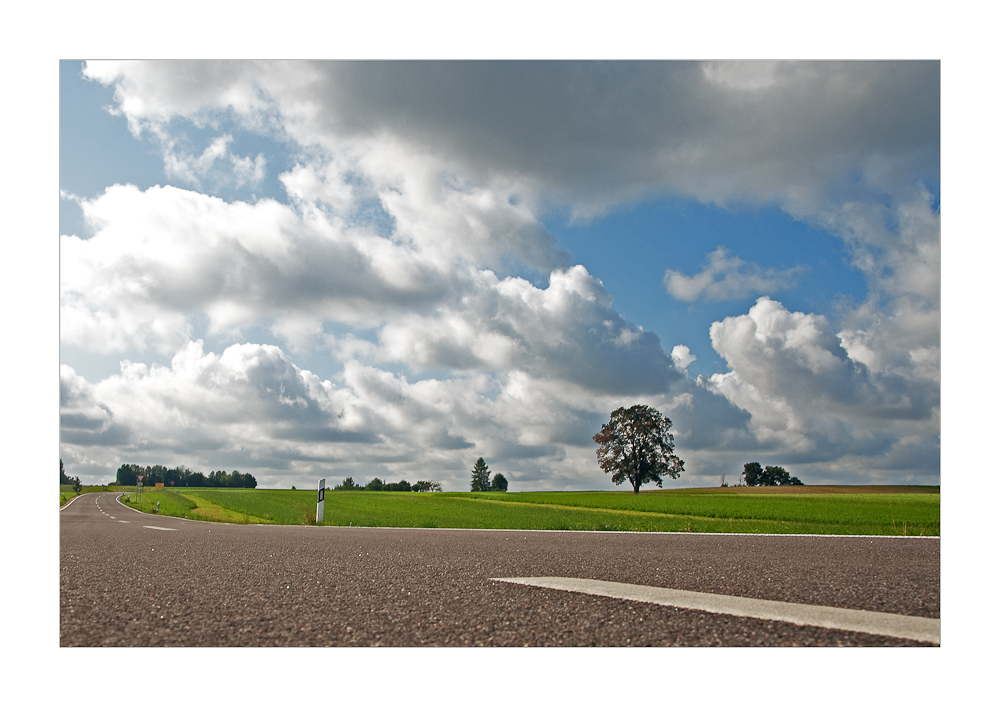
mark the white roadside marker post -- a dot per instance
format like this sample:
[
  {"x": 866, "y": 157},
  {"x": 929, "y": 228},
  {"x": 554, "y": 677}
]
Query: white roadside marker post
[{"x": 320, "y": 492}]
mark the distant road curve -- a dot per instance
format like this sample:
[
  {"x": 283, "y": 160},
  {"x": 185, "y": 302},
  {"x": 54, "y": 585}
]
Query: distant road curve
[{"x": 132, "y": 579}]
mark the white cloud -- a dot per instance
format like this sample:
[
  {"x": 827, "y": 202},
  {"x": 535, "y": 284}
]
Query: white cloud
[
  {"x": 792, "y": 133},
  {"x": 567, "y": 331},
  {"x": 806, "y": 394},
  {"x": 727, "y": 277},
  {"x": 250, "y": 404},
  {"x": 897, "y": 330},
  {"x": 84, "y": 420},
  {"x": 163, "y": 253},
  {"x": 151, "y": 93},
  {"x": 418, "y": 195},
  {"x": 161, "y": 257},
  {"x": 235, "y": 171},
  {"x": 743, "y": 75},
  {"x": 682, "y": 356}
]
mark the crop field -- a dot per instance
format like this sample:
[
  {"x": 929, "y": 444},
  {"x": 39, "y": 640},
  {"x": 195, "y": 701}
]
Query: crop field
[{"x": 823, "y": 510}]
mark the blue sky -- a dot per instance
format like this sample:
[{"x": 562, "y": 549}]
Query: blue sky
[
  {"x": 652, "y": 237},
  {"x": 391, "y": 269}
]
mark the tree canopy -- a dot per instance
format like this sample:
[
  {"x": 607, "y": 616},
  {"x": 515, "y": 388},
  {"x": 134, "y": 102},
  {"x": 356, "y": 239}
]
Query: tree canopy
[
  {"x": 753, "y": 475},
  {"x": 499, "y": 483},
  {"x": 636, "y": 445}
]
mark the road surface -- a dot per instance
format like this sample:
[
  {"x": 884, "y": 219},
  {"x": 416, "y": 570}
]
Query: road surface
[{"x": 131, "y": 579}]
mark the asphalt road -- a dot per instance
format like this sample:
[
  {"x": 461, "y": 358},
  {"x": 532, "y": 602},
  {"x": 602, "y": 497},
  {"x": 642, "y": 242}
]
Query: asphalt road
[{"x": 191, "y": 583}]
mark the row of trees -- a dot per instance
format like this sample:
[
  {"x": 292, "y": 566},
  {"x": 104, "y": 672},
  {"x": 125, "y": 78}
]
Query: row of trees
[
  {"x": 481, "y": 478},
  {"x": 377, "y": 484},
  {"x": 182, "y": 476}
]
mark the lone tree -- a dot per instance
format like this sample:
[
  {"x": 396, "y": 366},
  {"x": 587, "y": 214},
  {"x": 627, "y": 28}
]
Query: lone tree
[
  {"x": 480, "y": 476},
  {"x": 499, "y": 483},
  {"x": 637, "y": 445}
]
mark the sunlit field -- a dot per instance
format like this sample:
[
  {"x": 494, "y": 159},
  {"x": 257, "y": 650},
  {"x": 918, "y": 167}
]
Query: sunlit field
[{"x": 824, "y": 510}]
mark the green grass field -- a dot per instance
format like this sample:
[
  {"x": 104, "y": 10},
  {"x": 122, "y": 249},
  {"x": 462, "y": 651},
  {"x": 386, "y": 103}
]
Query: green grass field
[
  {"x": 67, "y": 494},
  {"x": 824, "y": 510}
]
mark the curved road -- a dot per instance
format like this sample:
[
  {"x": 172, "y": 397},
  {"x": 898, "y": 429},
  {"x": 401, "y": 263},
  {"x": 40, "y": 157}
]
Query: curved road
[{"x": 131, "y": 579}]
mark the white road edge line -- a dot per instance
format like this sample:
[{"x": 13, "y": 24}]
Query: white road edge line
[
  {"x": 156, "y": 527},
  {"x": 915, "y": 628}
]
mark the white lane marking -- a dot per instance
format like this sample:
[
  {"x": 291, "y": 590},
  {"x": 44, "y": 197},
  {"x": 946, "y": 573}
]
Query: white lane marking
[
  {"x": 156, "y": 527},
  {"x": 123, "y": 521},
  {"x": 916, "y": 628}
]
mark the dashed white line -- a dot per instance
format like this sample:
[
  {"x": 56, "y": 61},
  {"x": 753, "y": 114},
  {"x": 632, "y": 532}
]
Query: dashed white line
[
  {"x": 156, "y": 527},
  {"x": 916, "y": 628}
]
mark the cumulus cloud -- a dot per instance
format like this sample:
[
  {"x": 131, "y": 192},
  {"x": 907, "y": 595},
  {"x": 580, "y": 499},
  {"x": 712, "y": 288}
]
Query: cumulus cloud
[
  {"x": 726, "y": 277},
  {"x": 786, "y": 132},
  {"x": 445, "y": 215},
  {"x": 567, "y": 331},
  {"x": 682, "y": 356},
  {"x": 152, "y": 93},
  {"x": 234, "y": 170},
  {"x": 897, "y": 329},
  {"x": 251, "y": 398},
  {"x": 162, "y": 253},
  {"x": 415, "y": 205},
  {"x": 161, "y": 256},
  {"x": 476, "y": 148},
  {"x": 83, "y": 420},
  {"x": 805, "y": 393}
]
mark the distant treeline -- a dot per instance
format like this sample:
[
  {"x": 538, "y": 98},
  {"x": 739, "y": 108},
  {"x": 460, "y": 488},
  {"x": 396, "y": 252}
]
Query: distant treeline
[
  {"x": 377, "y": 484},
  {"x": 182, "y": 476}
]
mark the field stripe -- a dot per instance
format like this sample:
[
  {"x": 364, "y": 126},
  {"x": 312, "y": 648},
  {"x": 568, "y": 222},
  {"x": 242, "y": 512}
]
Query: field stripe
[{"x": 915, "y": 628}]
